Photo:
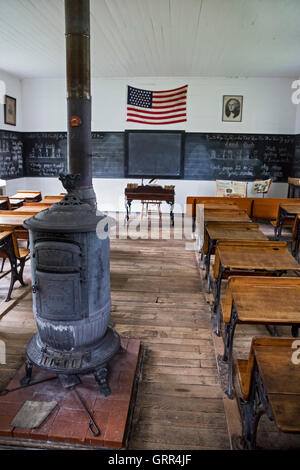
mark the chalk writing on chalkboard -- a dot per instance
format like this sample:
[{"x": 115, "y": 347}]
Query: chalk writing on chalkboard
[
  {"x": 11, "y": 155},
  {"x": 207, "y": 156},
  {"x": 296, "y": 163},
  {"x": 45, "y": 154},
  {"x": 238, "y": 156}
]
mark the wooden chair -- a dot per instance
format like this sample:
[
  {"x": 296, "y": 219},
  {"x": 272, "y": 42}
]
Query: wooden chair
[
  {"x": 9, "y": 249},
  {"x": 146, "y": 203}
]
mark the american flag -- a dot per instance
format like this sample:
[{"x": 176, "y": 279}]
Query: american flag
[{"x": 156, "y": 107}]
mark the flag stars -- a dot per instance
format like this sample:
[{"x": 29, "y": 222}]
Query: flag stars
[{"x": 137, "y": 97}]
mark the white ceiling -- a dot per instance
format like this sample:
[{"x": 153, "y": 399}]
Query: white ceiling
[{"x": 245, "y": 38}]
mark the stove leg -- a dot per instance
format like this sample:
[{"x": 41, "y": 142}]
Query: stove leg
[
  {"x": 28, "y": 373},
  {"x": 101, "y": 379}
]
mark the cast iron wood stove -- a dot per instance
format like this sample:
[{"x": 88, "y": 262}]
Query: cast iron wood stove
[{"x": 69, "y": 263}]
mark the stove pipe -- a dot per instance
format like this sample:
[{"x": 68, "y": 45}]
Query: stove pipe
[
  {"x": 69, "y": 262},
  {"x": 77, "y": 20}
]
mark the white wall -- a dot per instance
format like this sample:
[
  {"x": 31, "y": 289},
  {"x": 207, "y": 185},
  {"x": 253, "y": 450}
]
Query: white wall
[
  {"x": 267, "y": 109},
  {"x": 110, "y": 192},
  {"x": 267, "y": 104},
  {"x": 12, "y": 87}
]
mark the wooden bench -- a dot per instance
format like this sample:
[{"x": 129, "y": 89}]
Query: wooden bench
[
  {"x": 270, "y": 384},
  {"x": 250, "y": 258},
  {"x": 9, "y": 249},
  {"x": 258, "y": 301}
]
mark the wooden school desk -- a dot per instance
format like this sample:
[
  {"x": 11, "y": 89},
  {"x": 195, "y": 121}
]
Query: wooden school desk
[
  {"x": 33, "y": 196},
  {"x": 33, "y": 209},
  {"x": 14, "y": 203},
  {"x": 225, "y": 215},
  {"x": 10, "y": 250},
  {"x": 258, "y": 300},
  {"x": 227, "y": 231},
  {"x": 216, "y": 207},
  {"x": 219, "y": 216},
  {"x": 270, "y": 384},
  {"x": 12, "y": 220},
  {"x": 150, "y": 193},
  {"x": 286, "y": 211},
  {"x": 250, "y": 258},
  {"x": 50, "y": 202}
]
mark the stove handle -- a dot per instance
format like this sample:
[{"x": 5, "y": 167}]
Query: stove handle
[{"x": 35, "y": 288}]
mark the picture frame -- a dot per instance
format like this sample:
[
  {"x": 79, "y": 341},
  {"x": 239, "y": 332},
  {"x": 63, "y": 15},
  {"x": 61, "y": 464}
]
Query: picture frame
[
  {"x": 232, "y": 108},
  {"x": 10, "y": 110}
]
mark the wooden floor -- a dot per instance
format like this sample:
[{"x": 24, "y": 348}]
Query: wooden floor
[{"x": 157, "y": 297}]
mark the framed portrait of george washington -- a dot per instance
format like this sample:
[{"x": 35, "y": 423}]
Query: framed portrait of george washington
[{"x": 232, "y": 108}]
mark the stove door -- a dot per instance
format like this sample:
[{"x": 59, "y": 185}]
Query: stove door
[
  {"x": 58, "y": 296},
  {"x": 57, "y": 256}
]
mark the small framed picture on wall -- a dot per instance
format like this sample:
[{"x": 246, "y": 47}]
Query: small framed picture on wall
[
  {"x": 232, "y": 108},
  {"x": 10, "y": 111}
]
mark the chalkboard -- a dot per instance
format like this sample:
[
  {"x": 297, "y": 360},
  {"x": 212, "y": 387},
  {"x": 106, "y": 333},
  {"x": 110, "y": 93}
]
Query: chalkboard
[
  {"x": 154, "y": 154},
  {"x": 240, "y": 157},
  {"x": 296, "y": 163},
  {"x": 108, "y": 154},
  {"x": 45, "y": 153},
  {"x": 206, "y": 156},
  {"x": 11, "y": 155}
]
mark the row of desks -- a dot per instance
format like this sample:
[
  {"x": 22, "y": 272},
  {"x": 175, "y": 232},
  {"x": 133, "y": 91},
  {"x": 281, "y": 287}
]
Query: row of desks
[
  {"x": 11, "y": 221},
  {"x": 19, "y": 216},
  {"x": 254, "y": 295}
]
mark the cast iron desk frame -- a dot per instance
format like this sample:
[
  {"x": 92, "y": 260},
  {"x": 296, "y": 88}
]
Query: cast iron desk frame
[
  {"x": 260, "y": 397},
  {"x": 252, "y": 410},
  {"x": 7, "y": 247},
  {"x": 229, "y": 330},
  {"x": 283, "y": 215},
  {"x": 216, "y": 310}
]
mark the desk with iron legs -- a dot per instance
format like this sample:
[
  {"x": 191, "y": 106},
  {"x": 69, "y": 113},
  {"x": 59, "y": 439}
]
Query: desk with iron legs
[
  {"x": 270, "y": 384},
  {"x": 7, "y": 251},
  {"x": 214, "y": 232},
  {"x": 258, "y": 301},
  {"x": 286, "y": 211},
  {"x": 248, "y": 258},
  {"x": 150, "y": 193}
]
